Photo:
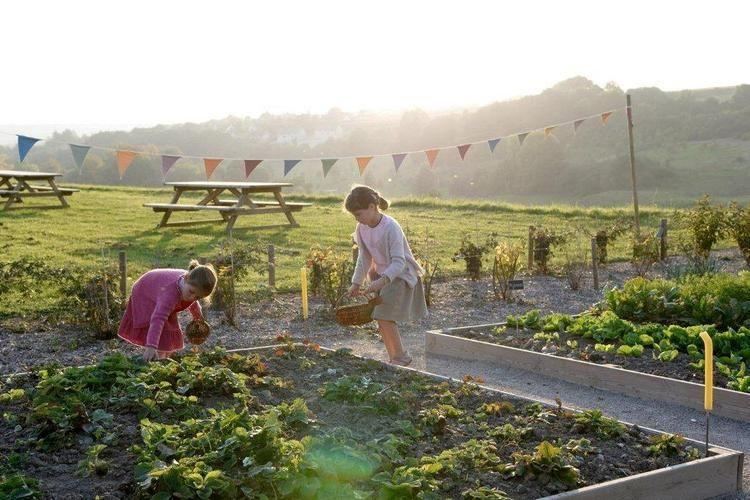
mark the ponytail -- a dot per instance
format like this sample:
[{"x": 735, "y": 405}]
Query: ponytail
[{"x": 360, "y": 197}]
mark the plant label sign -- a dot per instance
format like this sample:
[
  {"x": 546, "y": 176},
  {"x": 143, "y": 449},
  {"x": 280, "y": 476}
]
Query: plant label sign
[{"x": 515, "y": 284}]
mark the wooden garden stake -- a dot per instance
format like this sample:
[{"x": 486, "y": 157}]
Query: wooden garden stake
[
  {"x": 708, "y": 394},
  {"x": 663, "y": 239},
  {"x": 303, "y": 278},
  {"x": 629, "y": 111},
  {"x": 531, "y": 248},
  {"x": 595, "y": 263},
  {"x": 123, "y": 274},
  {"x": 271, "y": 266}
]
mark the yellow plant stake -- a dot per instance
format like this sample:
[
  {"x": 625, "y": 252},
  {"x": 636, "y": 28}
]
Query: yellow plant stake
[
  {"x": 708, "y": 395},
  {"x": 303, "y": 277}
]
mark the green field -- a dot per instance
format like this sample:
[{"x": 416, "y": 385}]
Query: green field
[{"x": 113, "y": 219}]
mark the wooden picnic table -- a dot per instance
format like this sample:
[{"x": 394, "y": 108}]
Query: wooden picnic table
[
  {"x": 14, "y": 185},
  {"x": 237, "y": 203}
]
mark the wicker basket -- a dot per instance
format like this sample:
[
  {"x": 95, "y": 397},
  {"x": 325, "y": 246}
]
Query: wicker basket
[
  {"x": 356, "y": 314},
  {"x": 197, "y": 331}
]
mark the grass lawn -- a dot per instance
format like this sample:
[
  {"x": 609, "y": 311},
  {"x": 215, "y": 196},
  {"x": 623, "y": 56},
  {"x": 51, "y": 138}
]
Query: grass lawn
[{"x": 113, "y": 218}]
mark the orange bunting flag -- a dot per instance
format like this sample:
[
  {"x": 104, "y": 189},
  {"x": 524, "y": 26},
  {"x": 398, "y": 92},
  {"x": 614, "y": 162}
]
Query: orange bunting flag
[
  {"x": 362, "y": 162},
  {"x": 605, "y": 117},
  {"x": 548, "y": 131},
  {"x": 124, "y": 159},
  {"x": 211, "y": 164},
  {"x": 432, "y": 156},
  {"x": 463, "y": 149}
]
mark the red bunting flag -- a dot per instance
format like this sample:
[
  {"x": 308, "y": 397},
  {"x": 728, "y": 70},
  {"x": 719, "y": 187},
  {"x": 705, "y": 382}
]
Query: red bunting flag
[
  {"x": 124, "y": 159},
  {"x": 250, "y": 166},
  {"x": 605, "y": 117},
  {"x": 548, "y": 131},
  {"x": 362, "y": 162},
  {"x": 432, "y": 156},
  {"x": 211, "y": 164},
  {"x": 463, "y": 149}
]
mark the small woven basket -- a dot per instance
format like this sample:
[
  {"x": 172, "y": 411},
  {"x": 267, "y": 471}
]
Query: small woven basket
[
  {"x": 356, "y": 314},
  {"x": 197, "y": 331}
]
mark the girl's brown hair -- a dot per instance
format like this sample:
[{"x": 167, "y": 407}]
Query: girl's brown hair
[
  {"x": 203, "y": 277},
  {"x": 360, "y": 198}
]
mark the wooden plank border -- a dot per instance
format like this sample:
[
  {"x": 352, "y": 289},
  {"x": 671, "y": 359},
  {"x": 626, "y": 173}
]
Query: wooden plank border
[{"x": 727, "y": 403}]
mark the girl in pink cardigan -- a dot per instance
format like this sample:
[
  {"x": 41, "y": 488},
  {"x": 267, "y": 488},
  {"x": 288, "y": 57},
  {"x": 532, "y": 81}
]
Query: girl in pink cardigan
[{"x": 150, "y": 319}]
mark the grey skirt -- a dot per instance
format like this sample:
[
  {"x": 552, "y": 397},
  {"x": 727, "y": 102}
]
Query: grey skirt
[{"x": 401, "y": 303}]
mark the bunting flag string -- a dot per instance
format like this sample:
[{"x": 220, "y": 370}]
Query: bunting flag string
[
  {"x": 327, "y": 165},
  {"x": 398, "y": 159},
  {"x": 125, "y": 157},
  {"x": 463, "y": 149},
  {"x": 79, "y": 154},
  {"x": 24, "y": 145},
  {"x": 289, "y": 165},
  {"x": 167, "y": 162},
  {"x": 250, "y": 166},
  {"x": 362, "y": 162}
]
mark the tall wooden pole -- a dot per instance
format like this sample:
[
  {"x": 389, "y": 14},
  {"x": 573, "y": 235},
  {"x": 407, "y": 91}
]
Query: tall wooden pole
[{"x": 629, "y": 110}]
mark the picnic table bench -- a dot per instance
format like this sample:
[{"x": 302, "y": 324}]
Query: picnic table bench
[
  {"x": 229, "y": 208},
  {"x": 14, "y": 185}
]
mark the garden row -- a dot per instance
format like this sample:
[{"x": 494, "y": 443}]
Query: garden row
[{"x": 299, "y": 422}]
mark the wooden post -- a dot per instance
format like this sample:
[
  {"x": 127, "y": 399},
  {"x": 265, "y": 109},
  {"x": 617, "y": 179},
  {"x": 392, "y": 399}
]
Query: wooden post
[
  {"x": 629, "y": 110},
  {"x": 595, "y": 263},
  {"x": 531, "y": 248},
  {"x": 123, "y": 274},
  {"x": 271, "y": 266},
  {"x": 663, "y": 239}
]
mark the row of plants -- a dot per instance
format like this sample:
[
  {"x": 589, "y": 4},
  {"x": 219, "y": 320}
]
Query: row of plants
[
  {"x": 298, "y": 422},
  {"x": 721, "y": 299},
  {"x": 606, "y": 333}
]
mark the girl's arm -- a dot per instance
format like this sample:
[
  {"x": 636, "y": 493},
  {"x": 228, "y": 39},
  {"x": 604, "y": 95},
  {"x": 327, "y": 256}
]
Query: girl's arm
[
  {"x": 164, "y": 307},
  {"x": 395, "y": 240},
  {"x": 195, "y": 310},
  {"x": 364, "y": 261}
]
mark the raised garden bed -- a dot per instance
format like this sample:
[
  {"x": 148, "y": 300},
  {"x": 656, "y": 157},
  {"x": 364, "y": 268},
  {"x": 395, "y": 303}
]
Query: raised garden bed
[
  {"x": 575, "y": 359},
  {"x": 296, "y": 421}
]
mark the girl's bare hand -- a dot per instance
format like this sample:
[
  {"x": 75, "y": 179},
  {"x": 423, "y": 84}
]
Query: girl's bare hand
[
  {"x": 354, "y": 290},
  {"x": 149, "y": 354}
]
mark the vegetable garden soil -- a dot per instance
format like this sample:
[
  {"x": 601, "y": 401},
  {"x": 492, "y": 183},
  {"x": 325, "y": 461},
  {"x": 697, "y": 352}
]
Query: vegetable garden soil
[
  {"x": 403, "y": 432},
  {"x": 522, "y": 338}
]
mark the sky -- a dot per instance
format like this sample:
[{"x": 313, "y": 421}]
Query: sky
[{"x": 118, "y": 63}]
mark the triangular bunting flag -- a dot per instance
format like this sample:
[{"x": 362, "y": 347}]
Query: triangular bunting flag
[
  {"x": 79, "y": 154},
  {"x": 250, "y": 166},
  {"x": 548, "y": 131},
  {"x": 431, "y": 156},
  {"x": 605, "y": 117},
  {"x": 493, "y": 143},
  {"x": 522, "y": 137},
  {"x": 289, "y": 165},
  {"x": 124, "y": 159},
  {"x": 327, "y": 164},
  {"x": 24, "y": 145},
  {"x": 398, "y": 159},
  {"x": 211, "y": 164},
  {"x": 577, "y": 124},
  {"x": 463, "y": 149},
  {"x": 362, "y": 162},
  {"x": 167, "y": 161}
]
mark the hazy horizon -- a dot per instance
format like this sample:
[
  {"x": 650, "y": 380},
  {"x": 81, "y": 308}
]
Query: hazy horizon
[{"x": 167, "y": 62}]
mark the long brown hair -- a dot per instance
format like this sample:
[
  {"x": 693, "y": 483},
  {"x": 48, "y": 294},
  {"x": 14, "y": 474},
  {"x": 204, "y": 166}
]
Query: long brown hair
[{"x": 360, "y": 198}]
